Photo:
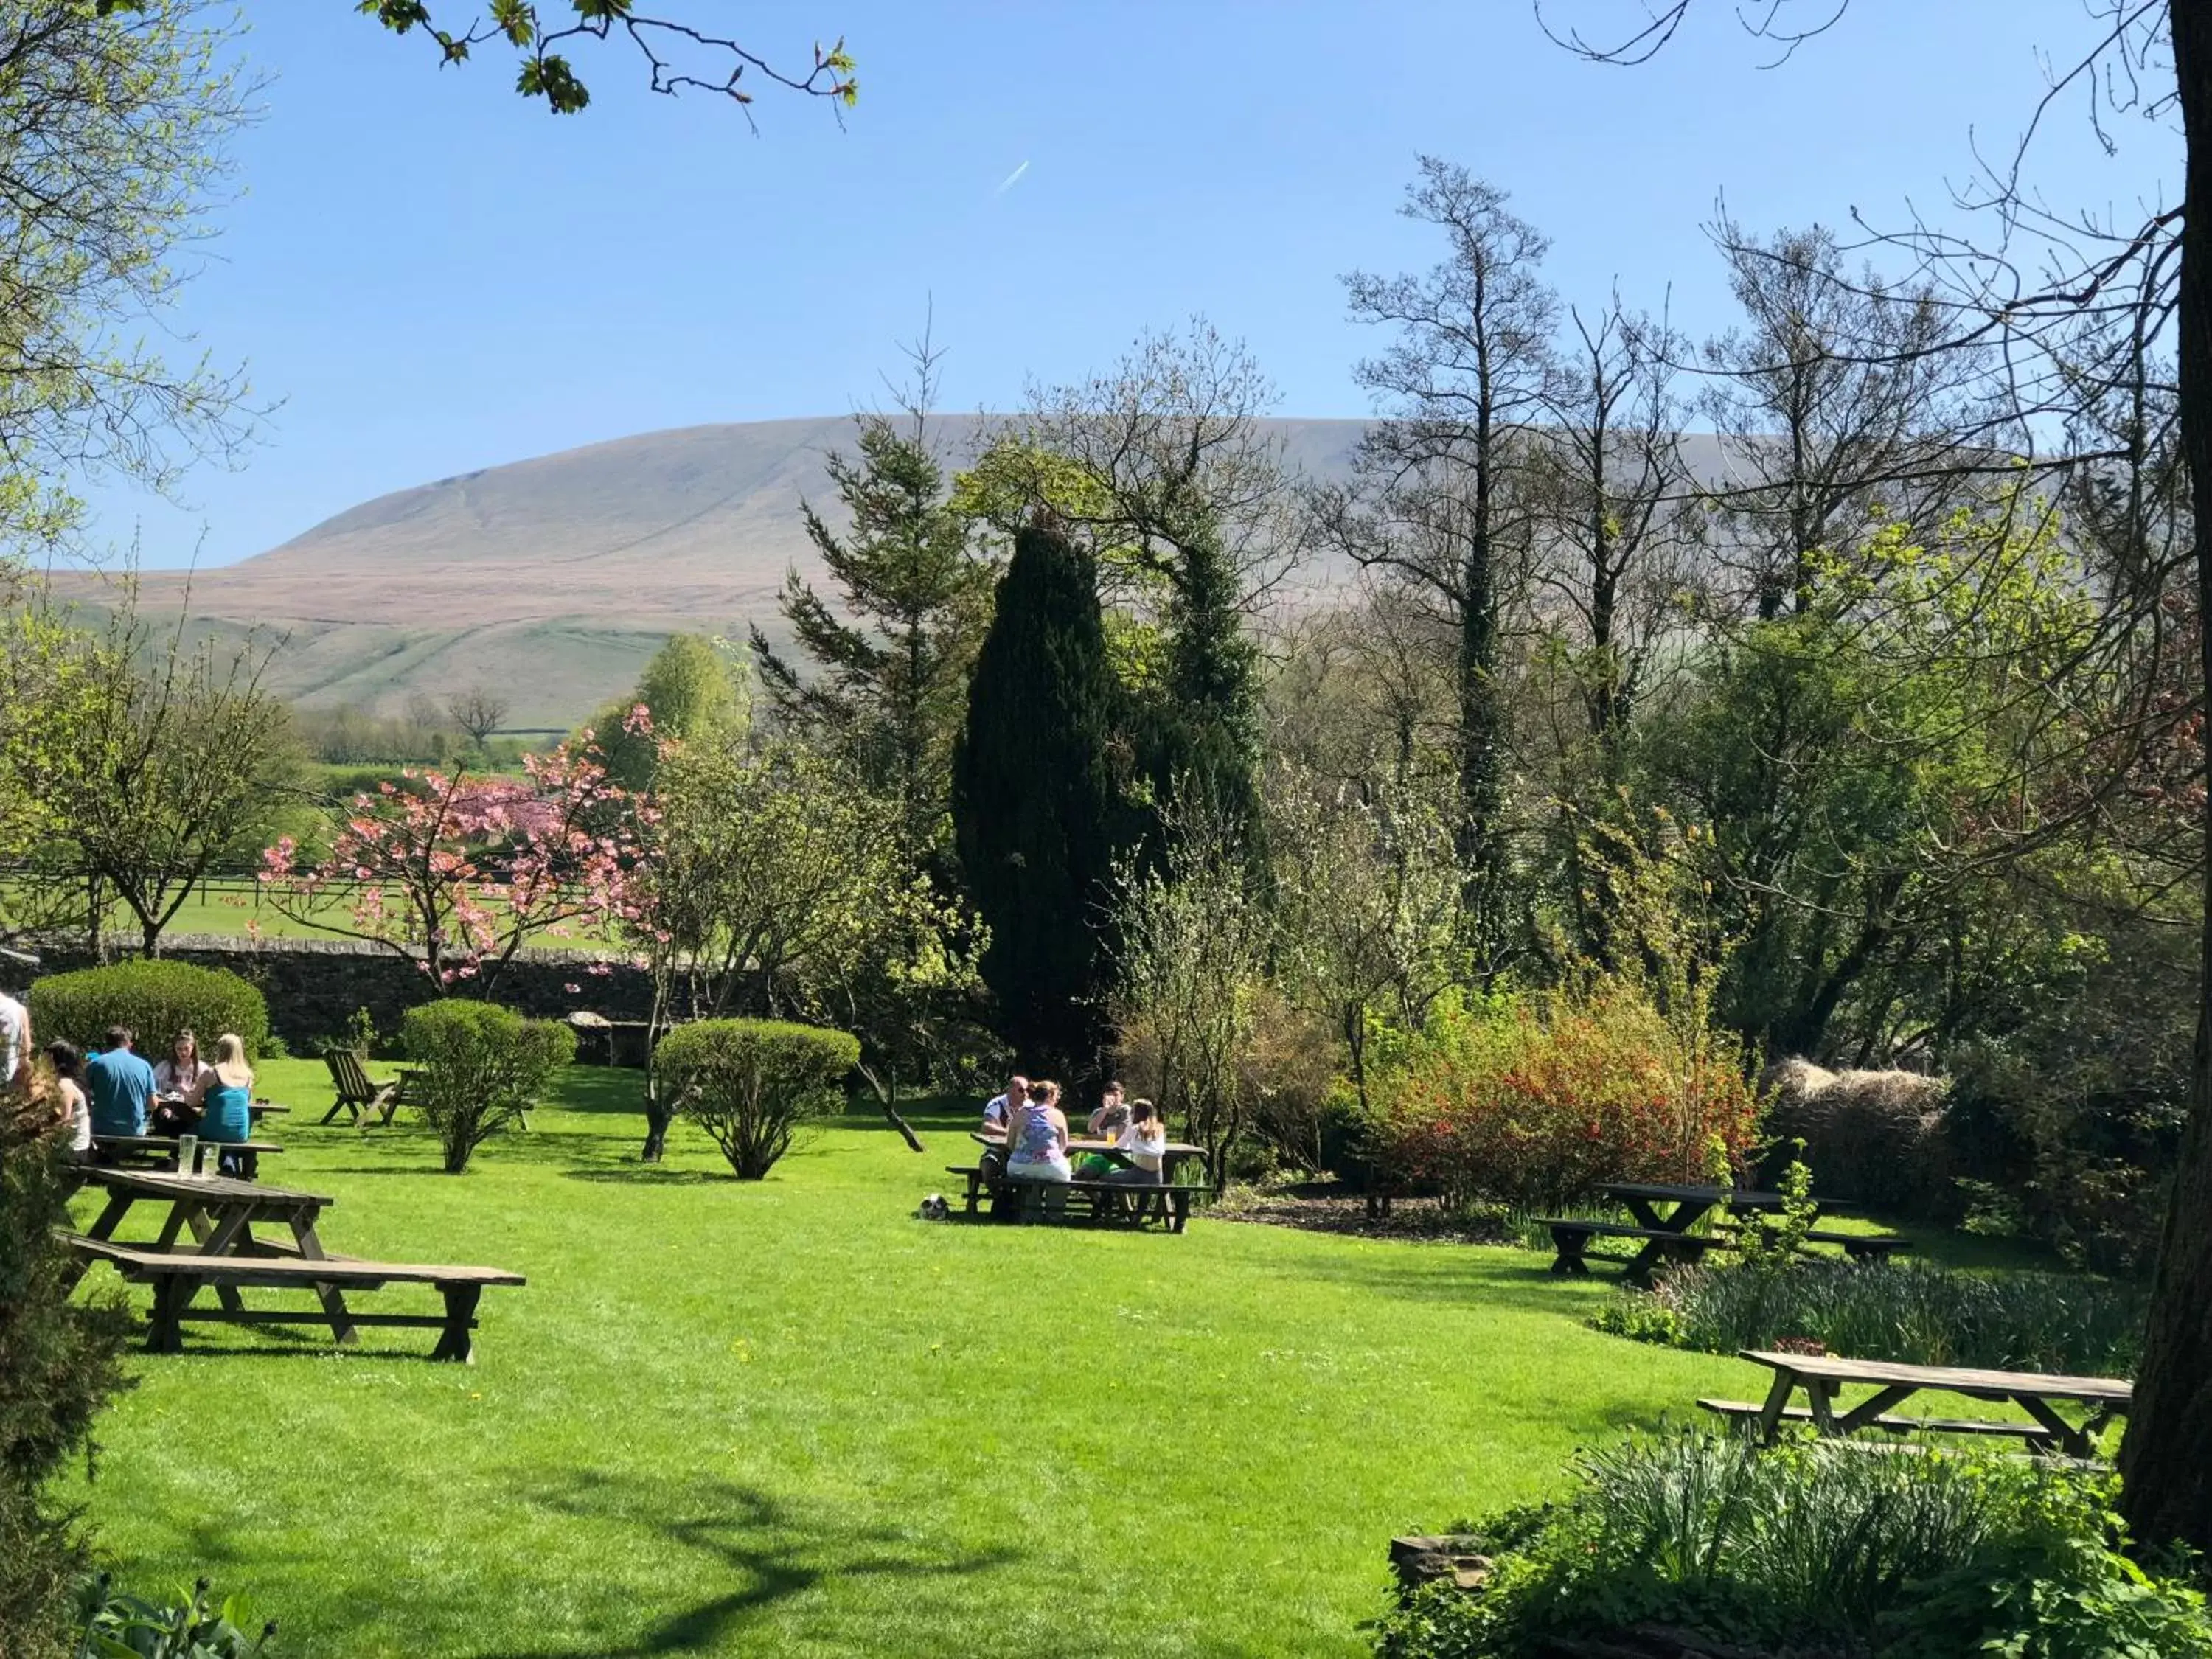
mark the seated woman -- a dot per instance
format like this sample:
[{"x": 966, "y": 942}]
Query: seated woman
[
  {"x": 1037, "y": 1148},
  {"x": 176, "y": 1079},
  {"x": 224, "y": 1100},
  {"x": 1145, "y": 1144},
  {"x": 72, "y": 1108}
]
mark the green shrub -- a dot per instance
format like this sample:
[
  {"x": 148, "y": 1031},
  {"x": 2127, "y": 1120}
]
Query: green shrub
[
  {"x": 109, "y": 1622},
  {"x": 60, "y": 1363},
  {"x": 1533, "y": 1102},
  {"x": 156, "y": 1000},
  {"x": 481, "y": 1068},
  {"x": 752, "y": 1083},
  {"x": 1812, "y": 1546},
  {"x": 1909, "y": 1311}
]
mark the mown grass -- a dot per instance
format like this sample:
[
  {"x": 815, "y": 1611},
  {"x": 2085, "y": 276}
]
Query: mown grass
[{"x": 789, "y": 1417}]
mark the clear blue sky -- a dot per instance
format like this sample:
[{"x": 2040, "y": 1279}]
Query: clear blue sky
[{"x": 434, "y": 275}]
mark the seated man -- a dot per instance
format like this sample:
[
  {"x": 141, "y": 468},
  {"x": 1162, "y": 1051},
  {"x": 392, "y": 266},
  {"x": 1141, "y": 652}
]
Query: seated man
[
  {"x": 997, "y": 1113},
  {"x": 121, "y": 1085}
]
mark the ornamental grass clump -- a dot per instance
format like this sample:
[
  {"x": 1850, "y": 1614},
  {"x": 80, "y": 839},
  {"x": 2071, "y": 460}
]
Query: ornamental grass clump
[
  {"x": 753, "y": 1084},
  {"x": 1811, "y": 1547},
  {"x": 1532, "y": 1103},
  {"x": 1911, "y": 1312},
  {"x": 480, "y": 1068}
]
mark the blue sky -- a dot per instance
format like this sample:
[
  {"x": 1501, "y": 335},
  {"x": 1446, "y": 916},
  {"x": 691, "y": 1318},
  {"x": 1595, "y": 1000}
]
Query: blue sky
[{"x": 434, "y": 275}]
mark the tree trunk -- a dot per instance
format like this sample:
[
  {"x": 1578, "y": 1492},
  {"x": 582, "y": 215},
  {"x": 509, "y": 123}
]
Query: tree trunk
[{"x": 2166, "y": 1462}]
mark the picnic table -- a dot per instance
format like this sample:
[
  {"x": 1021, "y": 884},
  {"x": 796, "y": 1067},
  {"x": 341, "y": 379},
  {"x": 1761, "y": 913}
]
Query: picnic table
[
  {"x": 220, "y": 1214},
  {"x": 1171, "y": 1198},
  {"x": 1665, "y": 1216},
  {"x": 1821, "y": 1378}
]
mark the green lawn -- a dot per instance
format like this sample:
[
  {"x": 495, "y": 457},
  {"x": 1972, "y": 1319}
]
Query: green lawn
[{"x": 789, "y": 1417}]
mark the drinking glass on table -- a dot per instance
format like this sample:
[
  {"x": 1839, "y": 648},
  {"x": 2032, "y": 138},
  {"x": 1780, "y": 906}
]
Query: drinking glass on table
[{"x": 188, "y": 1155}]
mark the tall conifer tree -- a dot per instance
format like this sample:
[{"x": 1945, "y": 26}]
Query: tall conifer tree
[
  {"x": 1039, "y": 818},
  {"x": 890, "y": 659}
]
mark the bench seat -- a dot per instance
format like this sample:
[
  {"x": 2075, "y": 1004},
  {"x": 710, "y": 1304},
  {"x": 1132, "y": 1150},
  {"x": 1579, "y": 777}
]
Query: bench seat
[
  {"x": 1744, "y": 1411},
  {"x": 1860, "y": 1246},
  {"x": 1572, "y": 1239},
  {"x": 176, "y": 1278}
]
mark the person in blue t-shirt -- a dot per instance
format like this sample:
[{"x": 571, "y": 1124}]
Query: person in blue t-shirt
[{"x": 121, "y": 1085}]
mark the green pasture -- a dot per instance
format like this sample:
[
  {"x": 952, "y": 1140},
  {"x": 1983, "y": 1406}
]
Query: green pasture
[{"x": 789, "y": 1417}]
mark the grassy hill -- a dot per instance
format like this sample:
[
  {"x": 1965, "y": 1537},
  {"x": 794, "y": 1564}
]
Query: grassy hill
[{"x": 552, "y": 579}]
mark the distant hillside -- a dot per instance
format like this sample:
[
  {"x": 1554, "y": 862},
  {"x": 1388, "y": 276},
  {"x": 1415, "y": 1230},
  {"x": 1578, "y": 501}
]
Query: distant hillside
[{"x": 553, "y": 579}]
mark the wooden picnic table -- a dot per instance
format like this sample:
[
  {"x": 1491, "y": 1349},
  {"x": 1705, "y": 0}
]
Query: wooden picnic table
[
  {"x": 1174, "y": 1153},
  {"x": 220, "y": 1213},
  {"x": 1822, "y": 1376},
  {"x": 1665, "y": 1218}
]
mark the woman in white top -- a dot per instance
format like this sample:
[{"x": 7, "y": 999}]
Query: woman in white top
[
  {"x": 1145, "y": 1144},
  {"x": 71, "y": 1107},
  {"x": 177, "y": 1083}
]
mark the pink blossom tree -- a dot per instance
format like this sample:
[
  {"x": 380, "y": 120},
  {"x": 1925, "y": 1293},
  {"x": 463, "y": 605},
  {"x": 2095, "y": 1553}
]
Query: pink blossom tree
[{"x": 456, "y": 873}]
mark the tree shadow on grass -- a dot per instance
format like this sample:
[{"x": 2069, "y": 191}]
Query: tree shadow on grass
[
  {"x": 753, "y": 1548},
  {"x": 656, "y": 1175},
  {"x": 1477, "y": 1284}
]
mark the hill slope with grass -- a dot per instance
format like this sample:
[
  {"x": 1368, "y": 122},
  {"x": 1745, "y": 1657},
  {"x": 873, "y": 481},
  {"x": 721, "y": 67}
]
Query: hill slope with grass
[{"x": 552, "y": 579}]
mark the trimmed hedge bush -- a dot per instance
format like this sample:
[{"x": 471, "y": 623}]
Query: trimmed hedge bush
[
  {"x": 482, "y": 1066},
  {"x": 750, "y": 1083},
  {"x": 156, "y": 1000}
]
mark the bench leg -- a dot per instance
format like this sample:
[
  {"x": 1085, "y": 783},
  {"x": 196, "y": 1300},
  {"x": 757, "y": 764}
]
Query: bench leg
[
  {"x": 165, "y": 1330},
  {"x": 1571, "y": 1242},
  {"x": 202, "y": 1231},
  {"x": 455, "y": 1342}
]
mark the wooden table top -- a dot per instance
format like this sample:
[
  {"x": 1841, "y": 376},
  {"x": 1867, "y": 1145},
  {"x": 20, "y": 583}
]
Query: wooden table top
[
  {"x": 1954, "y": 1379},
  {"x": 168, "y": 1144},
  {"x": 219, "y": 1189},
  {"x": 1742, "y": 1197}
]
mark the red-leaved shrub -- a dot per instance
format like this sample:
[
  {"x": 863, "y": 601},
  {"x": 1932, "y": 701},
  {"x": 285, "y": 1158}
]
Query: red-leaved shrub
[{"x": 1532, "y": 1103}]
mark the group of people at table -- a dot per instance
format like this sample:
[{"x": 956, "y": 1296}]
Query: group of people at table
[
  {"x": 1031, "y": 1129},
  {"x": 113, "y": 1091}
]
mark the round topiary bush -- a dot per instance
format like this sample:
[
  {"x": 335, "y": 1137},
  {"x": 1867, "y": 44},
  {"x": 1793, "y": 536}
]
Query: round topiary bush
[
  {"x": 752, "y": 1083},
  {"x": 481, "y": 1068},
  {"x": 156, "y": 1000}
]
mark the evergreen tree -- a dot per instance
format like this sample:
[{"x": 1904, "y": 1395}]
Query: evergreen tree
[
  {"x": 1037, "y": 815},
  {"x": 1204, "y": 748},
  {"x": 890, "y": 661}
]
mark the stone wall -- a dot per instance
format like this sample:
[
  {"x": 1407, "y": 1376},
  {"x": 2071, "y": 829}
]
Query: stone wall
[{"x": 313, "y": 986}]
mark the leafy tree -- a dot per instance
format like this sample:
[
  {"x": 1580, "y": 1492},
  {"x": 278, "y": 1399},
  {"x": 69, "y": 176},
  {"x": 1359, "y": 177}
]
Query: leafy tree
[
  {"x": 890, "y": 661},
  {"x": 114, "y": 122},
  {"x": 454, "y": 874},
  {"x": 1039, "y": 816},
  {"x": 678, "y": 55},
  {"x": 1196, "y": 940},
  {"x": 695, "y": 690},
  {"x": 1443, "y": 499},
  {"x": 174, "y": 768},
  {"x": 767, "y": 884}
]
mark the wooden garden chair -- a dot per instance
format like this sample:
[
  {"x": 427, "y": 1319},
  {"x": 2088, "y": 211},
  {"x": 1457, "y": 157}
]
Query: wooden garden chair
[{"x": 356, "y": 1094}]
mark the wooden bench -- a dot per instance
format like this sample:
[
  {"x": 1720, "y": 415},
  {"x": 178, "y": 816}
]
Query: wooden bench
[
  {"x": 1745, "y": 1415},
  {"x": 1859, "y": 1246},
  {"x": 1020, "y": 1200},
  {"x": 177, "y": 1278},
  {"x": 1572, "y": 1240},
  {"x": 357, "y": 1093}
]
